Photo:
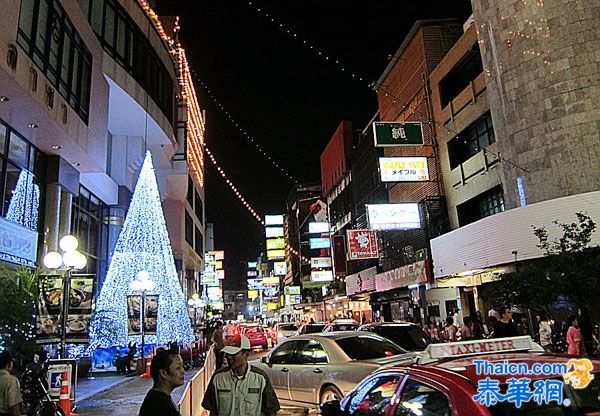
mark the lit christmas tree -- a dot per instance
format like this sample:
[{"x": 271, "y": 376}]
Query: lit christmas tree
[
  {"x": 24, "y": 204},
  {"x": 143, "y": 245}
]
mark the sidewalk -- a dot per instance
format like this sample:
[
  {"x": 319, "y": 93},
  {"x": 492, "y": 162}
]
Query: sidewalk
[{"x": 87, "y": 388}]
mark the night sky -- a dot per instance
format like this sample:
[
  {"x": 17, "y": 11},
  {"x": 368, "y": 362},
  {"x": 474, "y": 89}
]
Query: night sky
[{"x": 284, "y": 95}]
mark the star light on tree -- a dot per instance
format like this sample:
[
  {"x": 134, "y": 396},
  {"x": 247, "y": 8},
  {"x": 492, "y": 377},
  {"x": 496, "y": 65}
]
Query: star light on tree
[{"x": 142, "y": 245}]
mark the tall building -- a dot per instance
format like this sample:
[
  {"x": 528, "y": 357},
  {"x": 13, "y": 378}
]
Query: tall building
[{"x": 88, "y": 87}]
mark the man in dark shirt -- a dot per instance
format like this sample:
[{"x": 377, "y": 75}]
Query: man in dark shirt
[
  {"x": 168, "y": 373},
  {"x": 505, "y": 327}
]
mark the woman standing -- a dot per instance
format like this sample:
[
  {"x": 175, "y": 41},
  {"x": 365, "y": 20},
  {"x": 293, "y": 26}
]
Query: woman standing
[{"x": 574, "y": 339}]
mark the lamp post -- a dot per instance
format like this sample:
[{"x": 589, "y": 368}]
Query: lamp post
[
  {"x": 196, "y": 303},
  {"x": 142, "y": 283},
  {"x": 71, "y": 259}
]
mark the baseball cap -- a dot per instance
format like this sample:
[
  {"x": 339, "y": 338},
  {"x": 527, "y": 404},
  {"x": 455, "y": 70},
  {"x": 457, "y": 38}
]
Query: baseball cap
[{"x": 236, "y": 345}]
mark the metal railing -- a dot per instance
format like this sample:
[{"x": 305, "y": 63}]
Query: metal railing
[{"x": 191, "y": 400}]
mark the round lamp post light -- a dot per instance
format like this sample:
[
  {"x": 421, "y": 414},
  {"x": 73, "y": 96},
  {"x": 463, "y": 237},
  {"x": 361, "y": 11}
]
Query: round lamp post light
[
  {"x": 71, "y": 259},
  {"x": 196, "y": 303},
  {"x": 142, "y": 283}
]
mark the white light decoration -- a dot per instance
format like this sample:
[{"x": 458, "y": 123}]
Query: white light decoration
[
  {"x": 68, "y": 243},
  {"x": 53, "y": 260},
  {"x": 24, "y": 203},
  {"x": 143, "y": 245}
]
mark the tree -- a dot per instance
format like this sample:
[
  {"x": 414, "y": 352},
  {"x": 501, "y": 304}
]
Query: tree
[
  {"x": 569, "y": 271},
  {"x": 143, "y": 245}
]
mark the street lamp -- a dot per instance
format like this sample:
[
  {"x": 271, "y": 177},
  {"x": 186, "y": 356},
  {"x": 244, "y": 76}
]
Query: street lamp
[
  {"x": 196, "y": 303},
  {"x": 142, "y": 283},
  {"x": 71, "y": 259}
]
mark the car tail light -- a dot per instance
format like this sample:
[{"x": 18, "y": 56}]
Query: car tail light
[{"x": 388, "y": 353}]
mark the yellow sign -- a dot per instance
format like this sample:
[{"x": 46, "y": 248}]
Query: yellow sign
[
  {"x": 272, "y": 306},
  {"x": 218, "y": 264},
  {"x": 275, "y": 243},
  {"x": 252, "y": 294},
  {"x": 275, "y": 254},
  {"x": 271, "y": 280}
]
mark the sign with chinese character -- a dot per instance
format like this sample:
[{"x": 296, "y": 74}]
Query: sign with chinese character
[
  {"x": 318, "y": 227},
  {"x": 321, "y": 276},
  {"x": 275, "y": 254},
  {"x": 18, "y": 244},
  {"x": 362, "y": 244},
  {"x": 320, "y": 262},
  {"x": 218, "y": 254},
  {"x": 271, "y": 232},
  {"x": 275, "y": 243},
  {"x": 402, "y": 216},
  {"x": 391, "y": 133},
  {"x": 273, "y": 219},
  {"x": 403, "y": 169},
  {"x": 280, "y": 268},
  {"x": 218, "y": 264},
  {"x": 272, "y": 306},
  {"x": 320, "y": 243}
]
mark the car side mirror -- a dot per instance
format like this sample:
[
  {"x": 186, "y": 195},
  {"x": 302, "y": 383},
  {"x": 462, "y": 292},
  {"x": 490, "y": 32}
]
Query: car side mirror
[
  {"x": 265, "y": 360},
  {"x": 332, "y": 408}
]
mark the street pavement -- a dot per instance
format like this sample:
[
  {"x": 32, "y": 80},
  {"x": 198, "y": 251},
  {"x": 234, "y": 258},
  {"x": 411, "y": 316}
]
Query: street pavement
[{"x": 123, "y": 396}]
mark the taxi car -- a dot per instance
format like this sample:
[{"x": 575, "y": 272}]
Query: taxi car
[
  {"x": 443, "y": 382},
  {"x": 341, "y": 325},
  {"x": 307, "y": 370},
  {"x": 256, "y": 334}
]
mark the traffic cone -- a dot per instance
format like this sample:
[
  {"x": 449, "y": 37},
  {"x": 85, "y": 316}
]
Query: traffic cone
[
  {"x": 147, "y": 372},
  {"x": 64, "y": 400}
]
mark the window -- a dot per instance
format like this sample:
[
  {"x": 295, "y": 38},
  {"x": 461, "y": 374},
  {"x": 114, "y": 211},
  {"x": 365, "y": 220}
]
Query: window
[
  {"x": 189, "y": 229},
  {"x": 284, "y": 354},
  {"x": 465, "y": 71},
  {"x": 483, "y": 205},
  {"x": 427, "y": 400},
  {"x": 198, "y": 206},
  {"x": 311, "y": 352},
  {"x": 199, "y": 243},
  {"x": 49, "y": 38},
  {"x": 409, "y": 337},
  {"x": 87, "y": 225},
  {"x": 374, "y": 395},
  {"x": 190, "y": 192},
  {"x": 433, "y": 310},
  {"x": 451, "y": 306},
  {"x": 367, "y": 347},
  {"x": 471, "y": 141}
]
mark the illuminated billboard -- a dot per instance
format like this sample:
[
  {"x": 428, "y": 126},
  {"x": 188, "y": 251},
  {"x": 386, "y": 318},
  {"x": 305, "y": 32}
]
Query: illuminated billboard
[
  {"x": 252, "y": 264},
  {"x": 321, "y": 276},
  {"x": 403, "y": 169},
  {"x": 275, "y": 243},
  {"x": 402, "y": 216},
  {"x": 273, "y": 219},
  {"x": 218, "y": 264},
  {"x": 220, "y": 274},
  {"x": 252, "y": 294},
  {"x": 214, "y": 294},
  {"x": 362, "y": 244},
  {"x": 219, "y": 254},
  {"x": 275, "y": 254},
  {"x": 320, "y": 243},
  {"x": 280, "y": 268},
  {"x": 320, "y": 262},
  {"x": 318, "y": 227},
  {"x": 272, "y": 280},
  {"x": 271, "y": 232},
  {"x": 252, "y": 273},
  {"x": 272, "y": 306}
]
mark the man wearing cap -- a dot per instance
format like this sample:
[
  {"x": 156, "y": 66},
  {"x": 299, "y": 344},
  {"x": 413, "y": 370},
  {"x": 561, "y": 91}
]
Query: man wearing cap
[{"x": 240, "y": 389}]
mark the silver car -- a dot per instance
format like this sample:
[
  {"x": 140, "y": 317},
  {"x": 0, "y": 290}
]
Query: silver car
[{"x": 309, "y": 370}]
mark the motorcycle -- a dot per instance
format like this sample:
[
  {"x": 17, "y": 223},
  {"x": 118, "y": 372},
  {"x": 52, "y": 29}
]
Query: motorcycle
[{"x": 36, "y": 400}]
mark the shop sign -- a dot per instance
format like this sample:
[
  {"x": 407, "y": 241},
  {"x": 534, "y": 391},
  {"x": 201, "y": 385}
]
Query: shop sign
[
  {"x": 18, "y": 244},
  {"x": 401, "y": 216},
  {"x": 321, "y": 276},
  {"x": 403, "y": 276},
  {"x": 362, "y": 244},
  {"x": 316, "y": 243},
  {"x": 361, "y": 282},
  {"x": 393, "y": 133},
  {"x": 275, "y": 243},
  {"x": 318, "y": 227},
  {"x": 252, "y": 273},
  {"x": 218, "y": 264},
  {"x": 320, "y": 262},
  {"x": 273, "y": 219},
  {"x": 275, "y": 254},
  {"x": 272, "y": 306},
  {"x": 291, "y": 290},
  {"x": 403, "y": 169},
  {"x": 218, "y": 254},
  {"x": 220, "y": 274},
  {"x": 274, "y": 280},
  {"x": 292, "y": 300},
  {"x": 271, "y": 232},
  {"x": 252, "y": 264},
  {"x": 252, "y": 294},
  {"x": 280, "y": 268}
]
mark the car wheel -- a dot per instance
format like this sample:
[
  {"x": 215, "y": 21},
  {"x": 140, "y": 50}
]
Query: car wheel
[{"x": 330, "y": 393}]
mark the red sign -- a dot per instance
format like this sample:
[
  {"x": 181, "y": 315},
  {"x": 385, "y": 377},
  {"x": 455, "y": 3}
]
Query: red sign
[{"x": 362, "y": 244}]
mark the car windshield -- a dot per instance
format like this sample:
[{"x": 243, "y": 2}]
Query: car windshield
[
  {"x": 313, "y": 329},
  {"x": 575, "y": 402},
  {"x": 367, "y": 347},
  {"x": 250, "y": 329},
  {"x": 343, "y": 327},
  {"x": 288, "y": 328},
  {"x": 411, "y": 338}
]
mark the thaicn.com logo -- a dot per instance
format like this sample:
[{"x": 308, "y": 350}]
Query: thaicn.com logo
[{"x": 526, "y": 384}]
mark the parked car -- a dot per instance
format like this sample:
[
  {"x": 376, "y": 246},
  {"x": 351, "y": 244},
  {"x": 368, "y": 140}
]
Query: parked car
[
  {"x": 307, "y": 370},
  {"x": 311, "y": 328},
  {"x": 284, "y": 330},
  {"x": 255, "y": 334},
  {"x": 342, "y": 325},
  {"x": 409, "y": 336}
]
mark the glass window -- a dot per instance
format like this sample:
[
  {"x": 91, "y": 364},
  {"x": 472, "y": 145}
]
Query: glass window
[
  {"x": 364, "y": 347},
  {"x": 471, "y": 141},
  {"x": 56, "y": 35},
  {"x": 42, "y": 26},
  {"x": 311, "y": 352},
  {"x": 189, "y": 229},
  {"x": 18, "y": 150},
  {"x": 121, "y": 36},
  {"x": 409, "y": 337},
  {"x": 10, "y": 186},
  {"x": 3, "y": 136},
  {"x": 198, "y": 243},
  {"x": 426, "y": 400},
  {"x": 26, "y": 18},
  {"x": 109, "y": 25},
  {"x": 284, "y": 353},
  {"x": 97, "y": 15},
  {"x": 251, "y": 329},
  {"x": 373, "y": 396},
  {"x": 198, "y": 206},
  {"x": 190, "y": 192}
]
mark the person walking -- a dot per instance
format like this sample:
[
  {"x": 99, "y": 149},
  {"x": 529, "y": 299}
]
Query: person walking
[
  {"x": 466, "y": 334},
  {"x": 545, "y": 332},
  {"x": 218, "y": 342},
  {"x": 240, "y": 389},
  {"x": 587, "y": 330},
  {"x": 574, "y": 338},
  {"x": 10, "y": 391},
  {"x": 505, "y": 327},
  {"x": 450, "y": 330},
  {"x": 168, "y": 373}
]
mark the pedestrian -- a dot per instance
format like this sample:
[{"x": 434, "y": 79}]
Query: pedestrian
[
  {"x": 545, "y": 332},
  {"x": 456, "y": 318},
  {"x": 35, "y": 367},
  {"x": 522, "y": 326},
  {"x": 450, "y": 330},
  {"x": 168, "y": 373},
  {"x": 218, "y": 342},
  {"x": 10, "y": 392},
  {"x": 466, "y": 334},
  {"x": 476, "y": 330},
  {"x": 240, "y": 389},
  {"x": 428, "y": 327},
  {"x": 574, "y": 338},
  {"x": 505, "y": 327},
  {"x": 587, "y": 330}
]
